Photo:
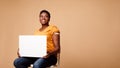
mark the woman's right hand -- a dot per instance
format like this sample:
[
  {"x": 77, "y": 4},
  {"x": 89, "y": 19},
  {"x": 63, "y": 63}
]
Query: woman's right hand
[{"x": 18, "y": 53}]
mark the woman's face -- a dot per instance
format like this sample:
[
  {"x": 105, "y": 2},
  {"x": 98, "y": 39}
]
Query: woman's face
[{"x": 44, "y": 18}]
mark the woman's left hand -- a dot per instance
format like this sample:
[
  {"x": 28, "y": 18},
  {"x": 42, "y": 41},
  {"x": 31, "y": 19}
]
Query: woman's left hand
[{"x": 46, "y": 56}]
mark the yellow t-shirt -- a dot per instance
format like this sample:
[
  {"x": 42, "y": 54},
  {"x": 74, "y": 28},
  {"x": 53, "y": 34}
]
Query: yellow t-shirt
[{"x": 49, "y": 31}]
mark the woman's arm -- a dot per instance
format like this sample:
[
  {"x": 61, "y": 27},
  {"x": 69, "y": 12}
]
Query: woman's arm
[{"x": 56, "y": 41}]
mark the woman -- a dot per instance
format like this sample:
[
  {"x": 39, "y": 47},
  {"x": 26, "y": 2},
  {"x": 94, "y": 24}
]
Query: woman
[{"x": 53, "y": 45}]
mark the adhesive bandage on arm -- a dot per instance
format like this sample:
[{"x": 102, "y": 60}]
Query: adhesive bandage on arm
[{"x": 56, "y": 33}]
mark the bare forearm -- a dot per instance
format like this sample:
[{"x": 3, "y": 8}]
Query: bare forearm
[{"x": 55, "y": 51}]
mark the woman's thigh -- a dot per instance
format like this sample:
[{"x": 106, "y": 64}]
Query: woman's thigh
[
  {"x": 43, "y": 63},
  {"x": 23, "y": 61},
  {"x": 40, "y": 63}
]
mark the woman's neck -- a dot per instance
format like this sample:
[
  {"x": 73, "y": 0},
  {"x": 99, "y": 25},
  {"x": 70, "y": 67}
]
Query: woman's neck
[{"x": 44, "y": 26}]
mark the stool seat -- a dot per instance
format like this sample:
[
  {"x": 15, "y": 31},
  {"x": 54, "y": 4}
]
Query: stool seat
[{"x": 53, "y": 66}]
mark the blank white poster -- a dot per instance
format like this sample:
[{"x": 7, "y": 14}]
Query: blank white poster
[{"x": 32, "y": 45}]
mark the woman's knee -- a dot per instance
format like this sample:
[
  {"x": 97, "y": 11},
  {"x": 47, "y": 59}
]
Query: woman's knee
[
  {"x": 16, "y": 62},
  {"x": 40, "y": 63},
  {"x": 22, "y": 62}
]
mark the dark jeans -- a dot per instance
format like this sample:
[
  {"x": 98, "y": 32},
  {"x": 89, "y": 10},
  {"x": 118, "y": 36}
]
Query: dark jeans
[{"x": 24, "y": 62}]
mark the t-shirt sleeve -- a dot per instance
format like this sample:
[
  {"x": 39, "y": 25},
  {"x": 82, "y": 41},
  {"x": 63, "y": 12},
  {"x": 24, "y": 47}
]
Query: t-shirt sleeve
[{"x": 55, "y": 30}]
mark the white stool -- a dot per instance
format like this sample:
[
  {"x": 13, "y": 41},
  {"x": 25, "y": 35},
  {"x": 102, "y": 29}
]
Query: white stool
[{"x": 53, "y": 66}]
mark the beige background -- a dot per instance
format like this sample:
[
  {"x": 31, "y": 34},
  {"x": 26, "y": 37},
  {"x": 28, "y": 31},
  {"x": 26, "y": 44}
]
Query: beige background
[{"x": 90, "y": 30}]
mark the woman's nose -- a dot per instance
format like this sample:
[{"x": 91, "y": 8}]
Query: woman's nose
[{"x": 43, "y": 18}]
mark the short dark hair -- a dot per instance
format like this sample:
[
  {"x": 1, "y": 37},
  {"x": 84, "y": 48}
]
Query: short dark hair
[{"x": 45, "y": 11}]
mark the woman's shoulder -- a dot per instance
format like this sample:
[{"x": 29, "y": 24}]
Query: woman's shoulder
[{"x": 54, "y": 28}]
